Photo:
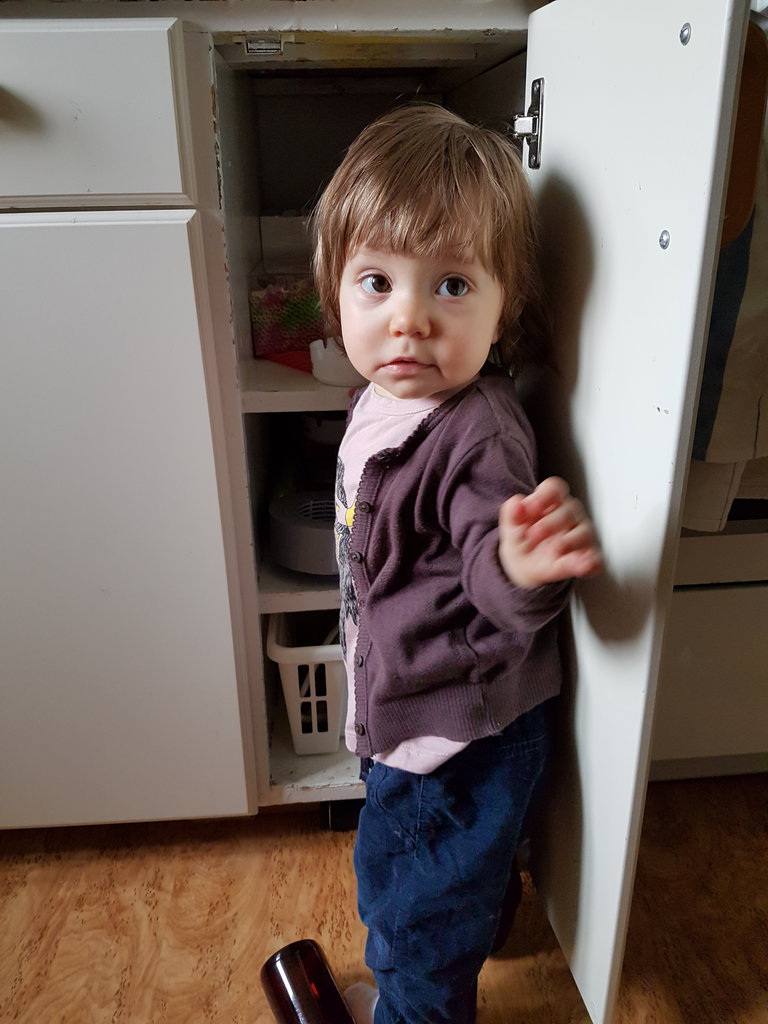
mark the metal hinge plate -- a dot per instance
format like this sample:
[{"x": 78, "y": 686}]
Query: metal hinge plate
[
  {"x": 264, "y": 45},
  {"x": 528, "y": 126}
]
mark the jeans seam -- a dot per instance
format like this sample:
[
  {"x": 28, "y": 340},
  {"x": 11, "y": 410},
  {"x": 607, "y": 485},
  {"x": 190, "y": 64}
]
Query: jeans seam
[
  {"x": 420, "y": 807},
  {"x": 414, "y": 856}
]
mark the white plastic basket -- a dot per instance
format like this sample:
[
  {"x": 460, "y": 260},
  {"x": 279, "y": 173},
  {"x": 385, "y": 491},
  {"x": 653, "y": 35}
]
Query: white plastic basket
[{"x": 314, "y": 685}]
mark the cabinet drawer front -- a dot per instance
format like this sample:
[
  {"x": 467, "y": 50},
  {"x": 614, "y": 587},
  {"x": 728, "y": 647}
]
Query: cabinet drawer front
[
  {"x": 713, "y": 683},
  {"x": 92, "y": 110}
]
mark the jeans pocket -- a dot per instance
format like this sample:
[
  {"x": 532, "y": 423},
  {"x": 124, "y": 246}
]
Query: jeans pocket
[{"x": 395, "y": 796}]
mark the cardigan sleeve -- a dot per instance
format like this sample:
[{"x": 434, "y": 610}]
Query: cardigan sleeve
[{"x": 489, "y": 473}]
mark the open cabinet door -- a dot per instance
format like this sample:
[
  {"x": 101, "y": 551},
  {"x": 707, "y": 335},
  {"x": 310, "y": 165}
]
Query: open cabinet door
[{"x": 637, "y": 107}]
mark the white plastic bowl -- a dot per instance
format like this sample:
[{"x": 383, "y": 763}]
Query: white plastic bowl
[{"x": 331, "y": 366}]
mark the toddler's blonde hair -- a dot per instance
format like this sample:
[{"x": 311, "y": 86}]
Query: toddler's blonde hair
[{"x": 422, "y": 181}]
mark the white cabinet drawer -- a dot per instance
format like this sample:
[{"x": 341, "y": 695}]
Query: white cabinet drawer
[
  {"x": 92, "y": 112},
  {"x": 713, "y": 682}
]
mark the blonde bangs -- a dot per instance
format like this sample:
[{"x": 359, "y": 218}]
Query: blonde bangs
[{"x": 423, "y": 224}]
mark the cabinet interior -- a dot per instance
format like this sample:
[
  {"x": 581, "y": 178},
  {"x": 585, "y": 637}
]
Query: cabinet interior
[
  {"x": 287, "y": 107},
  {"x": 285, "y": 120}
]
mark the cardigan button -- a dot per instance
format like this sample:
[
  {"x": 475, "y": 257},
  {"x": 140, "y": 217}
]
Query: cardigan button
[
  {"x": 359, "y": 728},
  {"x": 363, "y": 506},
  {"x": 359, "y": 660},
  {"x": 355, "y": 556}
]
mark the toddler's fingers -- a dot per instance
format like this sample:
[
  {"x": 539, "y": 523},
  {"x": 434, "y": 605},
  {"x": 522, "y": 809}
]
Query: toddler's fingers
[
  {"x": 512, "y": 512},
  {"x": 581, "y": 537},
  {"x": 560, "y": 519},
  {"x": 547, "y": 497},
  {"x": 579, "y": 546},
  {"x": 584, "y": 562}
]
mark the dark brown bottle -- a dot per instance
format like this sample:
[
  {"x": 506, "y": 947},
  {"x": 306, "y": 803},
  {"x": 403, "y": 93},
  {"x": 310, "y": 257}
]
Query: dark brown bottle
[{"x": 300, "y": 987}]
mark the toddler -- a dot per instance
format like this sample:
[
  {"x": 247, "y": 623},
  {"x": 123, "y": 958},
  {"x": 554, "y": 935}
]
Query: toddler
[{"x": 454, "y": 560}]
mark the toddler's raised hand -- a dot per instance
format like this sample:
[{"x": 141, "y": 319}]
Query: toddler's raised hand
[{"x": 546, "y": 536}]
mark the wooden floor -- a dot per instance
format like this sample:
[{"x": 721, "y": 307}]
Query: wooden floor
[{"x": 152, "y": 924}]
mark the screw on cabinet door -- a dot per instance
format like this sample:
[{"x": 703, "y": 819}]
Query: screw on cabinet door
[
  {"x": 685, "y": 34},
  {"x": 664, "y": 239}
]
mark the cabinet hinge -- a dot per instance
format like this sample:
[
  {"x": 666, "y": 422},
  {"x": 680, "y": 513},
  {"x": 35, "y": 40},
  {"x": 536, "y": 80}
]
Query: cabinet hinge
[{"x": 528, "y": 126}]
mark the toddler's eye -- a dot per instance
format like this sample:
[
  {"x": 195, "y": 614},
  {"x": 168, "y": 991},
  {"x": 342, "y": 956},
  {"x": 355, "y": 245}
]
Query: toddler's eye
[
  {"x": 454, "y": 287},
  {"x": 375, "y": 284}
]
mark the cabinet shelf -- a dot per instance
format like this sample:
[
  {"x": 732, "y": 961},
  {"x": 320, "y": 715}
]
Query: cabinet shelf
[
  {"x": 266, "y": 386},
  {"x": 281, "y": 590},
  {"x": 298, "y": 778},
  {"x": 739, "y": 554}
]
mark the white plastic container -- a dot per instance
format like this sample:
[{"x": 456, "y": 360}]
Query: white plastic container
[
  {"x": 331, "y": 366},
  {"x": 314, "y": 685},
  {"x": 301, "y": 535}
]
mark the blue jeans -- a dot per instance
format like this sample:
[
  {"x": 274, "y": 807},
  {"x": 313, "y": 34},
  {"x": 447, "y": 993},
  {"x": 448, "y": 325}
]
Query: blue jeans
[{"x": 433, "y": 859}]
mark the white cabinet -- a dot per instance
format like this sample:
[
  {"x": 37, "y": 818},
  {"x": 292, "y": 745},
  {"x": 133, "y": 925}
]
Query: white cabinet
[
  {"x": 122, "y": 681},
  {"x": 119, "y": 687}
]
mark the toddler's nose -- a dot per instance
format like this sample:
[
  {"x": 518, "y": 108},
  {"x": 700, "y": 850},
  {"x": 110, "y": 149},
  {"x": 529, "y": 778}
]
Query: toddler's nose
[{"x": 410, "y": 316}]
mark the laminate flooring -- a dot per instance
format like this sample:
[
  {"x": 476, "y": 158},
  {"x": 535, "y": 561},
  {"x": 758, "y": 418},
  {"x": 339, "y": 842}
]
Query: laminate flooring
[{"x": 169, "y": 923}]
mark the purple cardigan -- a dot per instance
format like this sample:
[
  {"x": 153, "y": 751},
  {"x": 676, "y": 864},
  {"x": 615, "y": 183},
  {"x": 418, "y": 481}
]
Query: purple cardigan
[{"x": 447, "y": 646}]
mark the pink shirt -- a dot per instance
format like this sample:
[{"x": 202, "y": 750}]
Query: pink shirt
[{"x": 378, "y": 422}]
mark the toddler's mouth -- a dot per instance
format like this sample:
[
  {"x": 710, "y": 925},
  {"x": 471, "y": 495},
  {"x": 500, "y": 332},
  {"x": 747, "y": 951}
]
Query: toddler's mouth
[{"x": 405, "y": 367}]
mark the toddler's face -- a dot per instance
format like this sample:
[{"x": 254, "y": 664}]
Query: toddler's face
[{"x": 418, "y": 326}]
